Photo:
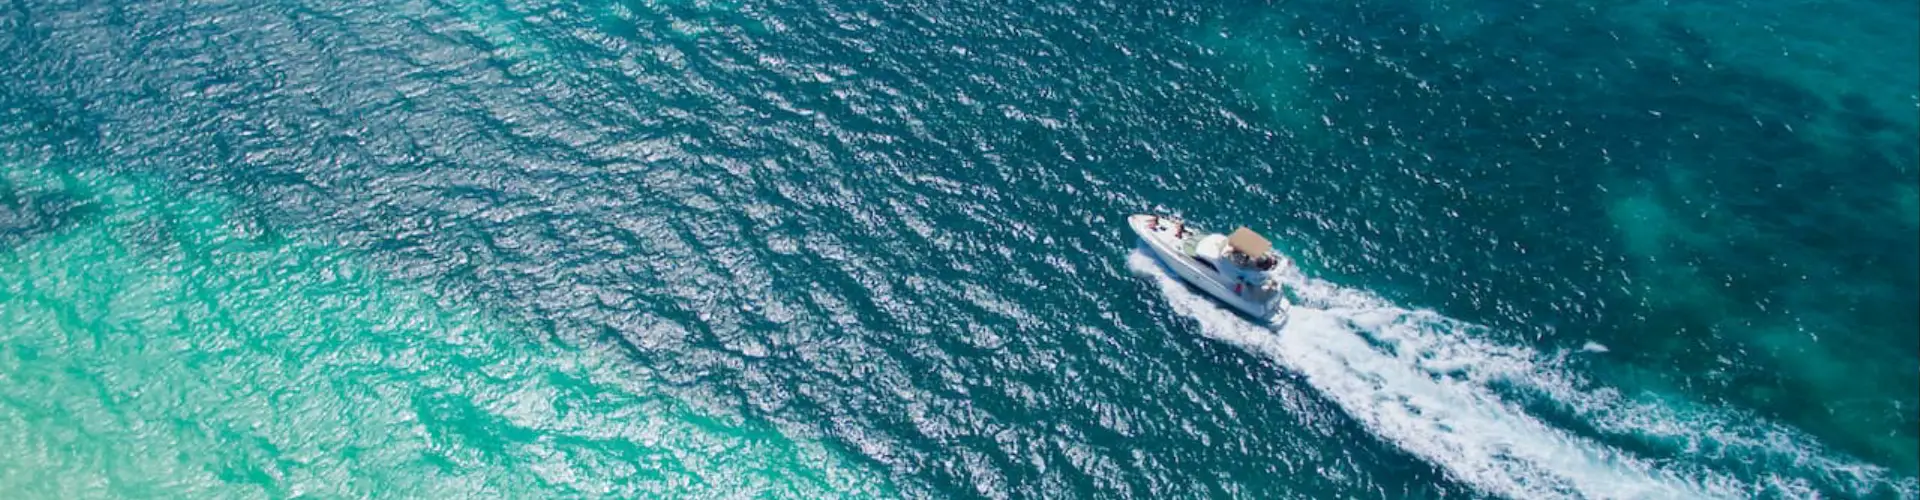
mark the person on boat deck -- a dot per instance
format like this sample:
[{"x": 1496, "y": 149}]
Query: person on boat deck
[{"x": 1179, "y": 227}]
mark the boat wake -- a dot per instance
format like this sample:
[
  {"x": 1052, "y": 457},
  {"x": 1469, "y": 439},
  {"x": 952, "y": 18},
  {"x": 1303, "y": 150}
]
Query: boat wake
[{"x": 1427, "y": 384}]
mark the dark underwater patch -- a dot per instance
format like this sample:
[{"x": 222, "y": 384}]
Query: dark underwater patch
[
  {"x": 30, "y": 214},
  {"x": 1783, "y": 205}
]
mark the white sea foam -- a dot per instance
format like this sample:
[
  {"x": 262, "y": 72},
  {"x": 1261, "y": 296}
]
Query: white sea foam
[
  {"x": 1724, "y": 435},
  {"x": 1425, "y": 383}
]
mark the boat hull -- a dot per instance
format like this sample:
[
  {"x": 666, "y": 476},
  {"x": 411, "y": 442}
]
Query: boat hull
[{"x": 1168, "y": 248}]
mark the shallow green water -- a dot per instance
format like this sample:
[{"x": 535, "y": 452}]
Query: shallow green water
[{"x": 165, "y": 347}]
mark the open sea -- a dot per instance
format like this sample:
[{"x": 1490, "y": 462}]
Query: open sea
[{"x": 1636, "y": 249}]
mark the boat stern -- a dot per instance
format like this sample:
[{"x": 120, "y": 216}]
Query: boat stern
[{"x": 1278, "y": 312}]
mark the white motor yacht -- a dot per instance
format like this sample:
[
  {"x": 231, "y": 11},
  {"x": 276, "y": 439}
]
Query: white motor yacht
[{"x": 1238, "y": 268}]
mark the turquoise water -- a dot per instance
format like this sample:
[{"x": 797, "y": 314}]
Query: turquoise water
[
  {"x": 175, "y": 347},
  {"x": 463, "y": 249}
]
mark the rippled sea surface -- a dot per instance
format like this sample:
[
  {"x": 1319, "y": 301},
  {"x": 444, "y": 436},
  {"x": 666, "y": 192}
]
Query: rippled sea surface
[{"x": 875, "y": 249}]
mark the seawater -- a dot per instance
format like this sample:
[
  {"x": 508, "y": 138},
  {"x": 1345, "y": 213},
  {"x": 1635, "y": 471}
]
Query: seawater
[
  {"x": 175, "y": 347},
  {"x": 479, "y": 249}
]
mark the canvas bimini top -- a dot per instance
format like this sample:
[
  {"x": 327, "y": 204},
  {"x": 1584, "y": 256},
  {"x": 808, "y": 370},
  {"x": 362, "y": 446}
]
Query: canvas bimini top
[{"x": 1248, "y": 242}]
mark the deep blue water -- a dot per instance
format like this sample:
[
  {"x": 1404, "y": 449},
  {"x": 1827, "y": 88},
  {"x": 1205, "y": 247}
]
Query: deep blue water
[{"x": 876, "y": 249}]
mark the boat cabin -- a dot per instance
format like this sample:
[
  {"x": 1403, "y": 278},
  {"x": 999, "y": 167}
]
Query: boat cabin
[{"x": 1249, "y": 250}]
